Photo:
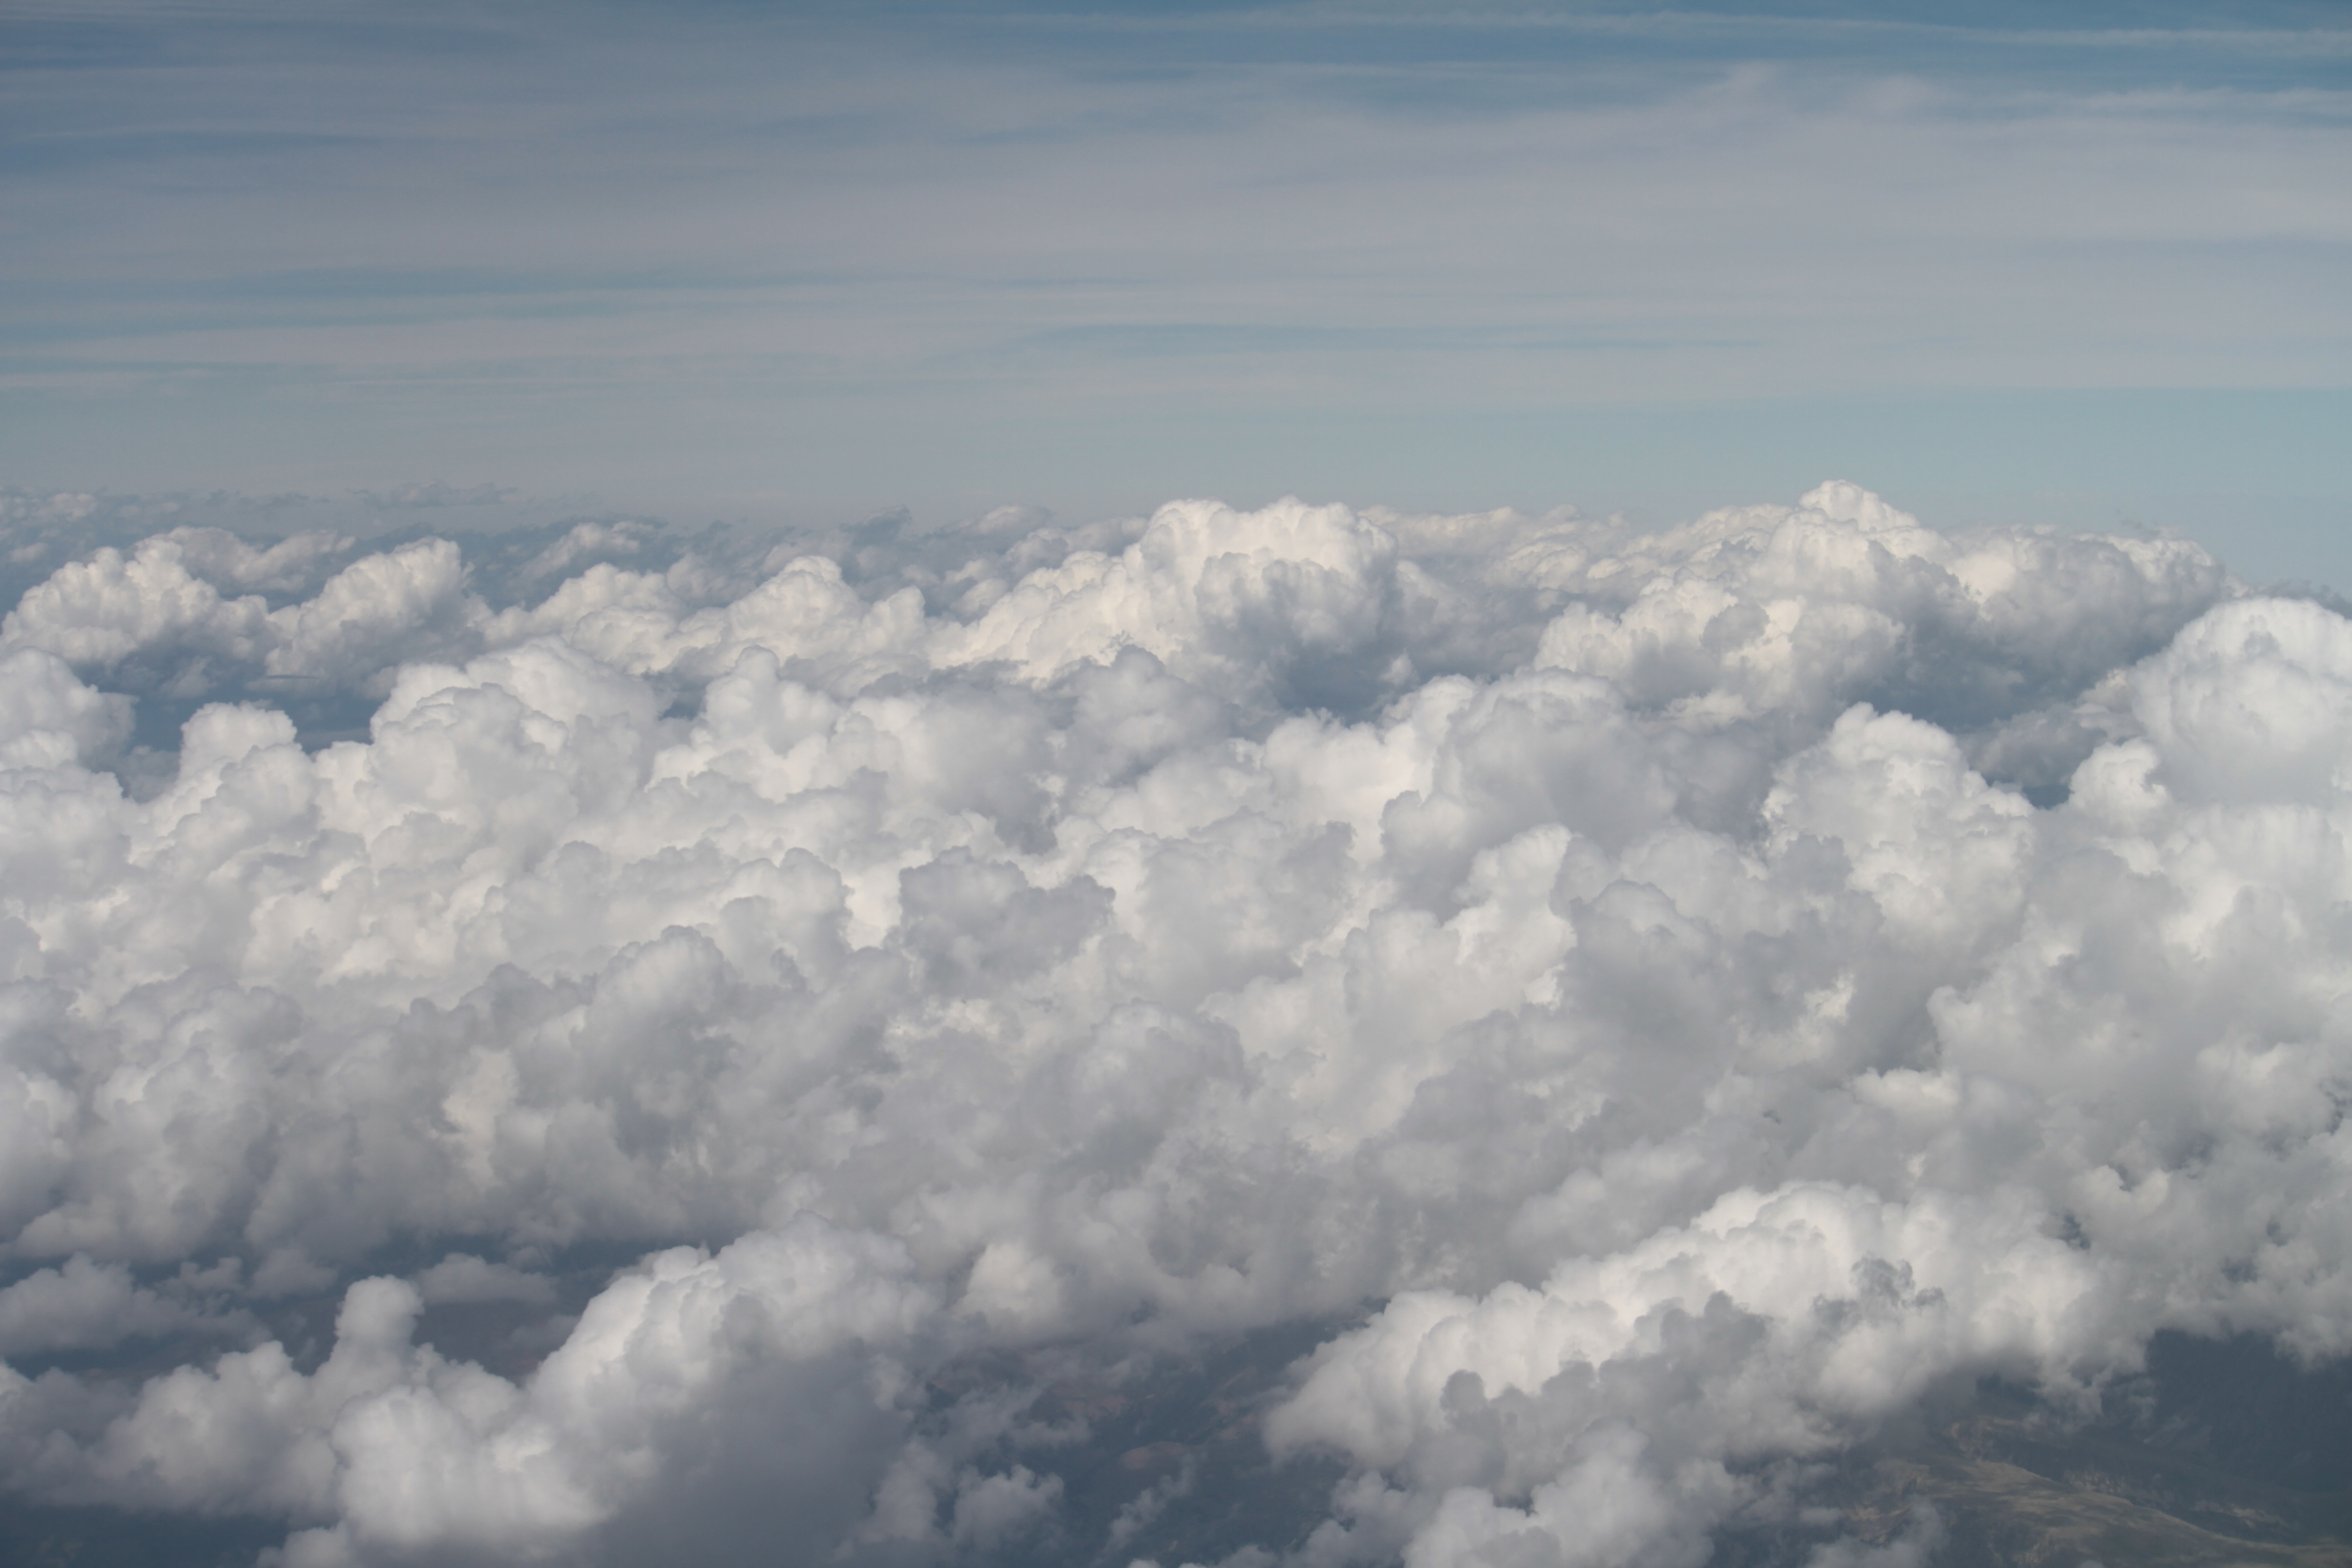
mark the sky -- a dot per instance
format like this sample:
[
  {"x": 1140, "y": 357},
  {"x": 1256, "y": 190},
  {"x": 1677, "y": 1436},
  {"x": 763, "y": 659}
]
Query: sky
[
  {"x": 933, "y": 786},
  {"x": 2079, "y": 267}
]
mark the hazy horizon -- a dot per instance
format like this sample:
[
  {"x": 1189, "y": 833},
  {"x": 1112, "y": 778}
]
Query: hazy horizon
[{"x": 810, "y": 264}]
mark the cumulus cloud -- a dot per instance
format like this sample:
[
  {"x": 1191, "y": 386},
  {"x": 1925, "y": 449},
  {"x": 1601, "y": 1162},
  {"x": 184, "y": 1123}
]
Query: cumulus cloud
[
  {"x": 82, "y": 1305},
  {"x": 777, "y": 1060}
]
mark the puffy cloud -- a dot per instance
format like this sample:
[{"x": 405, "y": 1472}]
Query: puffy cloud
[
  {"x": 82, "y": 1305},
  {"x": 49, "y": 718},
  {"x": 391, "y": 1448},
  {"x": 1631, "y": 1017},
  {"x": 102, "y": 610}
]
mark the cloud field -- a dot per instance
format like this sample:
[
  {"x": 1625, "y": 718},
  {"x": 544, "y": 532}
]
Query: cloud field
[{"x": 614, "y": 1046}]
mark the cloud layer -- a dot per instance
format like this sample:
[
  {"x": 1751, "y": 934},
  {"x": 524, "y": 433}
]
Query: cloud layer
[
  {"x": 1107, "y": 251},
  {"x": 764, "y": 1053}
]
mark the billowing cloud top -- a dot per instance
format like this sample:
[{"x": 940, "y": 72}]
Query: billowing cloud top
[{"x": 762, "y": 1062}]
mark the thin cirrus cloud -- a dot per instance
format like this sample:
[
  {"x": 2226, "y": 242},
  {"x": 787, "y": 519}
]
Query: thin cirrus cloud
[{"x": 1098, "y": 255}]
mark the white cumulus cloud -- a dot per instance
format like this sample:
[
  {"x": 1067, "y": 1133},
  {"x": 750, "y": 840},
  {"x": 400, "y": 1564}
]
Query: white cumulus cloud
[{"x": 771, "y": 1064}]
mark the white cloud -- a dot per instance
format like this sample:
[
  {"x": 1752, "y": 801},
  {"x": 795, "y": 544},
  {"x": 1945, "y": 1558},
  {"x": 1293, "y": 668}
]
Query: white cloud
[
  {"x": 102, "y": 610},
  {"x": 47, "y": 717},
  {"x": 1581, "y": 974}
]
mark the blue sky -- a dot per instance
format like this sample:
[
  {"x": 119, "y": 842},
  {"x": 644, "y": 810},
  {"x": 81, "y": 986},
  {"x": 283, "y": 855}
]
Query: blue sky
[{"x": 2084, "y": 265}]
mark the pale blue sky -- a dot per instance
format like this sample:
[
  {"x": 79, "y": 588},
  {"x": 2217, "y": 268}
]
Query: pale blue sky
[{"x": 2084, "y": 265}]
